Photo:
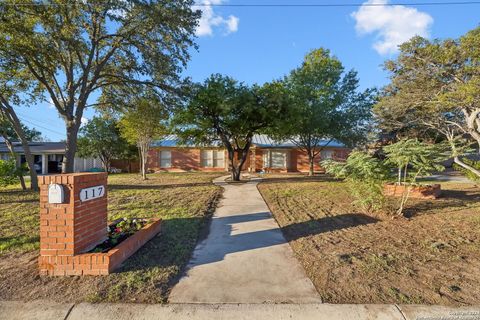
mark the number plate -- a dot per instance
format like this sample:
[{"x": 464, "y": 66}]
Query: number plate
[{"x": 91, "y": 193}]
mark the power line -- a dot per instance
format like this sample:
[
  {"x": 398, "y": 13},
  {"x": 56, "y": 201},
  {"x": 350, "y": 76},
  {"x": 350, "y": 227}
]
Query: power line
[
  {"x": 332, "y": 5},
  {"x": 39, "y": 126}
]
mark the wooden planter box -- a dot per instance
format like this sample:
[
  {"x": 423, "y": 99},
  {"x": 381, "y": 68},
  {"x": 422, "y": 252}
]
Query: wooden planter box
[
  {"x": 418, "y": 192},
  {"x": 99, "y": 263}
]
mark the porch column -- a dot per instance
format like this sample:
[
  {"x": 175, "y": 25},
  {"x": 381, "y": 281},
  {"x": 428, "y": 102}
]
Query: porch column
[
  {"x": 253, "y": 160},
  {"x": 44, "y": 163}
]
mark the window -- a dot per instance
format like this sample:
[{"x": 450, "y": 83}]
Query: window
[
  {"x": 212, "y": 158},
  {"x": 326, "y": 154},
  {"x": 274, "y": 159},
  {"x": 266, "y": 159},
  {"x": 219, "y": 158},
  {"x": 279, "y": 159},
  {"x": 165, "y": 159}
]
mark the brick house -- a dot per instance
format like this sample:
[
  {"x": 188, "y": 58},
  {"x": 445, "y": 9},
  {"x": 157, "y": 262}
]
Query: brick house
[{"x": 265, "y": 155}]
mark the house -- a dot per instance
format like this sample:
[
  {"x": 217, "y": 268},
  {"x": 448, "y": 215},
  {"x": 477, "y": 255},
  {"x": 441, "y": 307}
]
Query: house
[
  {"x": 48, "y": 157},
  {"x": 265, "y": 155}
]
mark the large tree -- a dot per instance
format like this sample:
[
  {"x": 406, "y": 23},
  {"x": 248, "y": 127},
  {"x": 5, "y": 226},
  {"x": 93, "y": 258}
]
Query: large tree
[
  {"x": 435, "y": 93},
  {"x": 74, "y": 48},
  {"x": 144, "y": 119},
  {"x": 17, "y": 89},
  {"x": 226, "y": 111},
  {"x": 325, "y": 105},
  {"x": 100, "y": 138}
]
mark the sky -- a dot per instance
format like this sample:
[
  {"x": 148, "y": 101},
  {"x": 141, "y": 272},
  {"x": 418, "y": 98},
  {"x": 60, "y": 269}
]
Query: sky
[{"x": 260, "y": 44}]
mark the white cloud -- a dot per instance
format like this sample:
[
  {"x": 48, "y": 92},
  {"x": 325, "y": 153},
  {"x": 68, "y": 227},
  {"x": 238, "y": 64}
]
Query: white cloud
[
  {"x": 84, "y": 121},
  {"x": 393, "y": 25},
  {"x": 232, "y": 24},
  {"x": 211, "y": 20}
]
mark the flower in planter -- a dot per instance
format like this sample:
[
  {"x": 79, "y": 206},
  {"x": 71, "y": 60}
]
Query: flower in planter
[{"x": 119, "y": 232}]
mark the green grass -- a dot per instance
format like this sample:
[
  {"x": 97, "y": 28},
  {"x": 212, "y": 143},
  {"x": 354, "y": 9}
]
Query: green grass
[
  {"x": 183, "y": 201},
  {"x": 19, "y": 220}
]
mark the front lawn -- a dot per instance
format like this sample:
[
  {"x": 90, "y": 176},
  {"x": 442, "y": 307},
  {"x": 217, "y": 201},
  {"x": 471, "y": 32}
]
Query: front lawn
[
  {"x": 433, "y": 257},
  {"x": 182, "y": 200}
]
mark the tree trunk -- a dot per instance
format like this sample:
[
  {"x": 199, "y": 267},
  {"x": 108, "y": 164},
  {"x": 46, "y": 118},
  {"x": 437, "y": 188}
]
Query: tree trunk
[
  {"x": 466, "y": 166},
  {"x": 311, "y": 159},
  {"x": 30, "y": 163},
  {"x": 68, "y": 164},
  {"x": 13, "y": 119},
  {"x": 106, "y": 164},
  {"x": 236, "y": 173},
  {"x": 143, "y": 146}
]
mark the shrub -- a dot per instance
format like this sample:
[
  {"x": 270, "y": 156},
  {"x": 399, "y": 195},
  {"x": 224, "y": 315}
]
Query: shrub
[
  {"x": 364, "y": 176},
  {"x": 8, "y": 172},
  {"x": 413, "y": 158}
]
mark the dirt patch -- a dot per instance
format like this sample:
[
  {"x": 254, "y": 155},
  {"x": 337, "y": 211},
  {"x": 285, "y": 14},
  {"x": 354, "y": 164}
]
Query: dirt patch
[
  {"x": 433, "y": 257},
  {"x": 184, "y": 201}
]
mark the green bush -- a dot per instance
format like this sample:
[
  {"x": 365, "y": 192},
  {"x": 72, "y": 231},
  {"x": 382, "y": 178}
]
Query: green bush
[
  {"x": 8, "y": 172},
  {"x": 364, "y": 176}
]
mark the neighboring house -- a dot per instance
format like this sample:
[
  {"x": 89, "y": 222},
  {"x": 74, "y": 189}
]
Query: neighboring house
[
  {"x": 265, "y": 155},
  {"x": 48, "y": 157}
]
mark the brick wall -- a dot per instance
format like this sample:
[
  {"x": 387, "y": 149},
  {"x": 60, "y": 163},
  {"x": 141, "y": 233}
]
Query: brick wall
[
  {"x": 297, "y": 160},
  {"x": 187, "y": 159},
  {"x": 183, "y": 159},
  {"x": 72, "y": 227}
]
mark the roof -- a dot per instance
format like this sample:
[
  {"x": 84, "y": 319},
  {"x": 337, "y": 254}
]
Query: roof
[
  {"x": 36, "y": 147},
  {"x": 172, "y": 141},
  {"x": 260, "y": 140},
  {"x": 264, "y": 141}
]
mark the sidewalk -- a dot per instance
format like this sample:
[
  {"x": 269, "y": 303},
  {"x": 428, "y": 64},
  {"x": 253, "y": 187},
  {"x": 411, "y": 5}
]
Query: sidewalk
[
  {"x": 245, "y": 258},
  {"x": 41, "y": 310}
]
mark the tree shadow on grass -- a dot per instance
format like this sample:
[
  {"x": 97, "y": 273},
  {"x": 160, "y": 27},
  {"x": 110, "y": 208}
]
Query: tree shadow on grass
[
  {"x": 157, "y": 186},
  {"x": 304, "y": 179},
  {"x": 175, "y": 244},
  {"x": 454, "y": 200}
]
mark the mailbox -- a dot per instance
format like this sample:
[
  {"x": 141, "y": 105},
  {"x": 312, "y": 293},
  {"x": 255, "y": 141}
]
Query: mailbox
[{"x": 56, "y": 193}]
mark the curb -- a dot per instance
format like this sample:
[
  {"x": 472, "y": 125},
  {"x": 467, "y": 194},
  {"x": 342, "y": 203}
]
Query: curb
[{"x": 39, "y": 310}]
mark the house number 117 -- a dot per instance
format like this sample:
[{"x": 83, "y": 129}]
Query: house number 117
[{"x": 92, "y": 193}]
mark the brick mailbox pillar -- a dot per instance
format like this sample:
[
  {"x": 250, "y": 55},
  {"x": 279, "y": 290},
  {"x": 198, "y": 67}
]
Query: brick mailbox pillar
[{"x": 72, "y": 223}]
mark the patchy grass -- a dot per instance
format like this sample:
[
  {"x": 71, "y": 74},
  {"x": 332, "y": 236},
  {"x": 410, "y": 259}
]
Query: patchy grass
[
  {"x": 432, "y": 257},
  {"x": 184, "y": 202}
]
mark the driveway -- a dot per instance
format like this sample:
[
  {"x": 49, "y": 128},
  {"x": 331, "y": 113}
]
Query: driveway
[{"x": 245, "y": 258}]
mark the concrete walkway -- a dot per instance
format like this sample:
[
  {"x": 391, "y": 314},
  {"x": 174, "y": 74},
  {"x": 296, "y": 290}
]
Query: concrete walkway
[
  {"x": 45, "y": 310},
  {"x": 245, "y": 258}
]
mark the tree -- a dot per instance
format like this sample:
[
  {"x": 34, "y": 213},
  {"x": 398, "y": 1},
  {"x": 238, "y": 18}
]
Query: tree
[
  {"x": 434, "y": 93},
  {"x": 7, "y": 132},
  {"x": 226, "y": 111},
  {"x": 413, "y": 158},
  {"x": 100, "y": 138},
  {"x": 74, "y": 48},
  {"x": 143, "y": 121},
  {"x": 364, "y": 175},
  {"x": 324, "y": 105},
  {"x": 16, "y": 89}
]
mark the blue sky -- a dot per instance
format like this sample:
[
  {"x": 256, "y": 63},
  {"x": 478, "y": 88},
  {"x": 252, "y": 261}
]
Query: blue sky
[{"x": 259, "y": 44}]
